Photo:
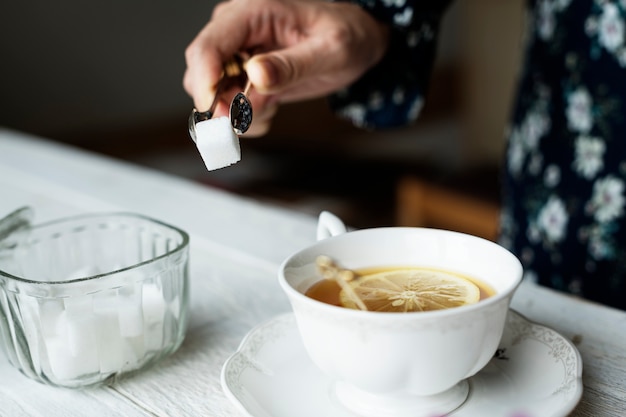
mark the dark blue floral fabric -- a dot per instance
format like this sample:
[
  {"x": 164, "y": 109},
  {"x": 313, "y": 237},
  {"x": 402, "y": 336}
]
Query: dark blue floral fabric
[
  {"x": 563, "y": 209},
  {"x": 392, "y": 93}
]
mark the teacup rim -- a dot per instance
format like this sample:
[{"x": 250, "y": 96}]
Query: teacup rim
[{"x": 483, "y": 304}]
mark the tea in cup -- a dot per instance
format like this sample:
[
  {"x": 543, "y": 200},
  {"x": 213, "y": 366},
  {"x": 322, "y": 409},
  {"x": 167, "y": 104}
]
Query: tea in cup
[{"x": 414, "y": 363}]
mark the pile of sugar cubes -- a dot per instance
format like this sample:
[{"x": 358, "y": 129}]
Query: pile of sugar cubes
[
  {"x": 217, "y": 143},
  {"x": 107, "y": 332}
]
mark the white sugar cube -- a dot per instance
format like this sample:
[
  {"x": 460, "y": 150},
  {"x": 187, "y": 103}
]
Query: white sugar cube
[
  {"x": 130, "y": 316},
  {"x": 134, "y": 352},
  {"x": 74, "y": 352},
  {"x": 154, "y": 306},
  {"x": 129, "y": 310},
  {"x": 217, "y": 143},
  {"x": 49, "y": 312},
  {"x": 81, "y": 337},
  {"x": 154, "y": 309},
  {"x": 110, "y": 344},
  {"x": 63, "y": 364}
]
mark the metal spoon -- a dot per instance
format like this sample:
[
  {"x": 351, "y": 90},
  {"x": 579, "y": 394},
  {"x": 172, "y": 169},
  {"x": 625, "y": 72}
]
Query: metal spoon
[
  {"x": 240, "y": 108},
  {"x": 241, "y": 111}
]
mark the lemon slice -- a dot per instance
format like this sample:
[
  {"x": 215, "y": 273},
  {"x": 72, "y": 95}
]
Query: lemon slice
[{"x": 407, "y": 290}]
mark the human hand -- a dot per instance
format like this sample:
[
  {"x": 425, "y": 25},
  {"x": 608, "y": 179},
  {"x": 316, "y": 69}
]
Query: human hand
[{"x": 301, "y": 49}]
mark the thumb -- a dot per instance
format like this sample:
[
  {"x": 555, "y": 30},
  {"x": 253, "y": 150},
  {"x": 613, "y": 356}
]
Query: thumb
[
  {"x": 266, "y": 72},
  {"x": 273, "y": 72}
]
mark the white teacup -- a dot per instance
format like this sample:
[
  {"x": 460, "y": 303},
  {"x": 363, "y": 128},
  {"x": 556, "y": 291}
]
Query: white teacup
[{"x": 401, "y": 364}]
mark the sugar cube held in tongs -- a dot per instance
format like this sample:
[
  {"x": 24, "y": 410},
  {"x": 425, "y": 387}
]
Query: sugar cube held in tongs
[{"x": 217, "y": 139}]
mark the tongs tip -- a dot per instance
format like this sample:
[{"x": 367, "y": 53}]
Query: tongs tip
[{"x": 241, "y": 109}]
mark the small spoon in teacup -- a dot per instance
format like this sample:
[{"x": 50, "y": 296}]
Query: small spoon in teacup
[{"x": 329, "y": 269}]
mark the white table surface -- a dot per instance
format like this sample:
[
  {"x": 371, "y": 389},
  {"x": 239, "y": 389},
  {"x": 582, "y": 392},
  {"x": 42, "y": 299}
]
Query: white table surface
[{"x": 237, "y": 245}]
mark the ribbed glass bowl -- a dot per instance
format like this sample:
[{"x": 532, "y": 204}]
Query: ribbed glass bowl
[{"x": 87, "y": 299}]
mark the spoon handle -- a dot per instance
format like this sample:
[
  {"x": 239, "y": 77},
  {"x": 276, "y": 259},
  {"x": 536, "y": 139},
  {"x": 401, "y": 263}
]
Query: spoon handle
[
  {"x": 329, "y": 269},
  {"x": 232, "y": 68}
]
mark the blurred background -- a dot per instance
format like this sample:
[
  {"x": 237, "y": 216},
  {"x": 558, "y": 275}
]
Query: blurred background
[{"x": 107, "y": 77}]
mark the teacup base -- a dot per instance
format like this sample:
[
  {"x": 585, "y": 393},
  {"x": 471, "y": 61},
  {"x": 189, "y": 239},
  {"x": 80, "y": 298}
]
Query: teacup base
[{"x": 366, "y": 404}]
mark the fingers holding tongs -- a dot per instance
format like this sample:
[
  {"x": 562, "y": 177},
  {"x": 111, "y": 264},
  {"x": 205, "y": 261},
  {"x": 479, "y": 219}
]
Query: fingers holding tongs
[{"x": 240, "y": 108}]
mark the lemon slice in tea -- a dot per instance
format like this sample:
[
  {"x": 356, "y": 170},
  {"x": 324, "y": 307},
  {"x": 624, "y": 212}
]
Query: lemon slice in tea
[{"x": 407, "y": 290}]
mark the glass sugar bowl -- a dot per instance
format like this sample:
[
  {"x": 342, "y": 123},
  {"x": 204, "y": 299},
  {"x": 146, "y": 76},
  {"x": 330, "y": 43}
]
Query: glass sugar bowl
[{"x": 87, "y": 299}]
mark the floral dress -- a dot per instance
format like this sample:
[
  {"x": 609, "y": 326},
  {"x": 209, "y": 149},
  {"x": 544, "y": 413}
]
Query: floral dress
[{"x": 564, "y": 196}]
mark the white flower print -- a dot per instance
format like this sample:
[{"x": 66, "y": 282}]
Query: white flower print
[
  {"x": 606, "y": 26},
  {"x": 376, "y": 101},
  {"x": 525, "y": 139},
  {"x": 607, "y": 202},
  {"x": 552, "y": 176},
  {"x": 404, "y": 18},
  {"x": 355, "y": 113},
  {"x": 545, "y": 19},
  {"x": 598, "y": 248},
  {"x": 394, "y": 3},
  {"x": 578, "y": 112},
  {"x": 588, "y": 156},
  {"x": 398, "y": 96},
  {"x": 591, "y": 26},
  {"x": 611, "y": 28},
  {"x": 416, "y": 108},
  {"x": 552, "y": 219},
  {"x": 535, "y": 125},
  {"x": 621, "y": 56},
  {"x": 599, "y": 243},
  {"x": 515, "y": 154}
]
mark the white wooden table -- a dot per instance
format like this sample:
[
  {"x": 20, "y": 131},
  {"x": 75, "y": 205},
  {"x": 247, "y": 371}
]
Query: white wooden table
[{"x": 236, "y": 247}]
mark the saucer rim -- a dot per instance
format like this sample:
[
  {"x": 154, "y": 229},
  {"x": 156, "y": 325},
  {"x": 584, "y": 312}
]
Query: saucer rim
[
  {"x": 578, "y": 376},
  {"x": 288, "y": 318}
]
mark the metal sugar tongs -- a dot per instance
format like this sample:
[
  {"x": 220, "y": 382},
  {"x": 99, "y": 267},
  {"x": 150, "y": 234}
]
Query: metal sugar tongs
[{"x": 240, "y": 106}]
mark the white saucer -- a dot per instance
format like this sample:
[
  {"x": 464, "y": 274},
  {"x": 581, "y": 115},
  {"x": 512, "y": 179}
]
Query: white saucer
[{"x": 535, "y": 372}]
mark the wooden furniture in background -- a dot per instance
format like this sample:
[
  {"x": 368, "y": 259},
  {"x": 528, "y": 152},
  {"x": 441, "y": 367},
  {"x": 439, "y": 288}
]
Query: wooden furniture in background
[{"x": 426, "y": 204}]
